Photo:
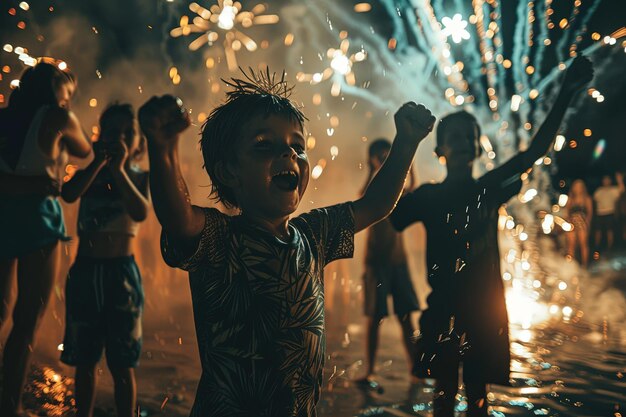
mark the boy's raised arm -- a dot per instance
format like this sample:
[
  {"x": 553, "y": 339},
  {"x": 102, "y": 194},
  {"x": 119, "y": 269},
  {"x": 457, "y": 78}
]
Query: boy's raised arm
[
  {"x": 579, "y": 73},
  {"x": 413, "y": 123},
  {"x": 162, "y": 120}
]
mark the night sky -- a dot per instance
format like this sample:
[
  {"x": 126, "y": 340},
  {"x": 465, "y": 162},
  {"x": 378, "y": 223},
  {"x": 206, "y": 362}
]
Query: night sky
[{"x": 128, "y": 44}]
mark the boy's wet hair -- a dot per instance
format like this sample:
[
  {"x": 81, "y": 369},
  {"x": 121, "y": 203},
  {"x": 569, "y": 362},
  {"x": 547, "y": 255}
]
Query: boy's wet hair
[
  {"x": 257, "y": 94},
  {"x": 451, "y": 119},
  {"x": 378, "y": 147}
]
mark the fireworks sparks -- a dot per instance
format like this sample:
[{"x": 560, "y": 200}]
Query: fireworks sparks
[
  {"x": 224, "y": 20},
  {"x": 339, "y": 68}
]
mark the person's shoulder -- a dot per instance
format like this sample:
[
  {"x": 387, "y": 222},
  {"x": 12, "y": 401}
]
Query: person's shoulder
[
  {"x": 420, "y": 195},
  {"x": 57, "y": 114},
  {"x": 59, "y": 118},
  {"x": 326, "y": 210},
  {"x": 213, "y": 211},
  {"x": 427, "y": 188},
  {"x": 423, "y": 188},
  {"x": 324, "y": 217},
  {"x": 217, "y": 225}
]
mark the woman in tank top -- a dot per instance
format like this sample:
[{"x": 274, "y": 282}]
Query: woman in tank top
[{"x": 38, "y": 133}]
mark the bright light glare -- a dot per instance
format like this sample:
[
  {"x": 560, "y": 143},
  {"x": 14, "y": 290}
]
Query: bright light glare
[
  {"x": 560, "y": 141},
  {"x": 524, "y": 309},
  {"x": 455, "y": 28},
  {"x": 341, "y": 63},
  {"x": 226, "y": 19}
]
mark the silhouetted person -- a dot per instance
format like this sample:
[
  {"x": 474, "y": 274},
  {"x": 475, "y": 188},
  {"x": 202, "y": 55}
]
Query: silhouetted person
[
  {"x": 386, "y": 274},
  {"x": 466, "y": 319},
  {"x": 579, "y": 214},
  {"x": 38, "y": 134},
  {"x": 103, "y": 293},
  {"x": 606, "y": 197}
]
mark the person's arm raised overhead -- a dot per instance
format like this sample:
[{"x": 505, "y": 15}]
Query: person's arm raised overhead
[
  {"x": 162, "y": 120},
  {"x": 579, "y": 73},
  {"x": 413, "y": 123}
]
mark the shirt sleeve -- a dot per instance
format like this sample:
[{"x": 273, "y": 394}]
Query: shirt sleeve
[
  {"x": 616, "y": 193},
  {"x": 505, "y": 181},
  {"x": 410, "y": 209},
  {"x": 332, "y": 229},
  {"x": 210, "y": 249}
]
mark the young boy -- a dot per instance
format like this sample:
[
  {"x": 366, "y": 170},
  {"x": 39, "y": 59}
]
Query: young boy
[
  {"x": 386, "y": 274},
  {"x": 466, "y": 319},
  {"x": 104, "y": 295},
  {"x": 257, "y": 278}
]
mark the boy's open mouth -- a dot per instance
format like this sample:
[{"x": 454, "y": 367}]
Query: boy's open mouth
[{"x": 285, "y": 180}]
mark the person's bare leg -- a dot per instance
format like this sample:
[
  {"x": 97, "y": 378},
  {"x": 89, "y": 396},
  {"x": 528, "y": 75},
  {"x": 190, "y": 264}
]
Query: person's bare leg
[
  {"x": 35, "y": 278},
  {"x": 125, "y": 390},
  {"x": 476, "y": 399},
  {"x": 7, "y": 272},
  {"x": 584, "y": 248},
  {"x": 86, "y": 379},
  {"x": 444, "y": 397},
  {"x": 609, "y": 239},
  {"x": 571, "y": 245},
  {"x": 373, "y": 327},
  {"x": 407, "y": 338},
  {"x": 598, "y": 238}
]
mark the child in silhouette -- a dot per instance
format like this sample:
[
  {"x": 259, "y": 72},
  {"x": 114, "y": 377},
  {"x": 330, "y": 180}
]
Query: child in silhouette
[
  {"x": 466, "y": 319},
  {"x": 386, "y": 274},
  {"x": 104, "y": 295}
]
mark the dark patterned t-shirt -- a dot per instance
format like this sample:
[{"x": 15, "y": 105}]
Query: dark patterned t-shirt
[{"x": 259, "y": 310}]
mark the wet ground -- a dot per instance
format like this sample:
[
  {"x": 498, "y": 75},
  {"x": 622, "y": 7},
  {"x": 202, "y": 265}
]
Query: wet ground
[{"x": 572, "y": 365}]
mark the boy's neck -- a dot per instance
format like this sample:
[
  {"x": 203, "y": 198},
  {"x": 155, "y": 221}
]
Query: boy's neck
[{"x": 277, "y": 227}]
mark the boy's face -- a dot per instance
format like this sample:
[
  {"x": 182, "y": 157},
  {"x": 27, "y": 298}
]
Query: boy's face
[
  {"x": 606, "y": 181},
  {"x": 121, "y": 127},
  {"x": 459, "y": 144},
  {"x": 271, "y": 167}
]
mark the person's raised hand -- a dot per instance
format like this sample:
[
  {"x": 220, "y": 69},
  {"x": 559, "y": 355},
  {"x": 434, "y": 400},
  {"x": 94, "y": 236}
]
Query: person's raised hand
[
  {"x": 413, "y": 122},
  {"x": 162, "y": 119},
  {"x": 119, "y": 155}
]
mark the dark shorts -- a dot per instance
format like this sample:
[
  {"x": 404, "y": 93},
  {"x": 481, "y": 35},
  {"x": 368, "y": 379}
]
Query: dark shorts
[
  {"x": 28, "y": 223},
  {"x": 380, "y": 281},
  {"x": 104, "y": 302},
  {"x": 605, "y": 223}
]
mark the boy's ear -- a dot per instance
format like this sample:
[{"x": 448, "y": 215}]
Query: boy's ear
[{"x": 225, "y": 174}]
